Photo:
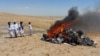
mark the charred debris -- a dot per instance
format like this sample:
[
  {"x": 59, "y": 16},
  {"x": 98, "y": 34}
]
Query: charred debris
[{"x": 62, "y": 31}]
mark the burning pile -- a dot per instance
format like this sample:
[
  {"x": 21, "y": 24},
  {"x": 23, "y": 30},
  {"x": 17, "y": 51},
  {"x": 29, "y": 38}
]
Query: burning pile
[{"x": 61, "y": 31}]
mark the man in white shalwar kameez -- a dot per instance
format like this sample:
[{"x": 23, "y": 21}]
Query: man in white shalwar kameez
[
  {"x": 21, "y": 29},
  {"x": 16, "y": 29},
  {"x": 30, "y": 28},
  {"x": 11, "y": 29}
]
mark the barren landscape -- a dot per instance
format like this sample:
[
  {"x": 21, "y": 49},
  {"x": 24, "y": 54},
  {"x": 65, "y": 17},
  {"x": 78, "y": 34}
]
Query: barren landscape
[{"x": 33, "y": 45}]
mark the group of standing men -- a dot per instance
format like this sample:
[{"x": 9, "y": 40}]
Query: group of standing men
[{"x": 16, "y": 29}]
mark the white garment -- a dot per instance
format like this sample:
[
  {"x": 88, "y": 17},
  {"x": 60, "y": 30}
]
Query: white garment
[
  {"x": 21, "y": 30},
  {"x": 16, "y": 28},
  {"x": 11, "y": 30},
  {"x": 30, "y": 28},
  {"x": 12, "y": 26}
]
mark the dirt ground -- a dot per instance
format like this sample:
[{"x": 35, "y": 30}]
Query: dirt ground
[{"x": 33, "y": 45}]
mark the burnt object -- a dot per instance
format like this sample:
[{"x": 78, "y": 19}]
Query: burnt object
[
  {"x": 71, "y": 37},
  {"x": 62, "y": 32}
]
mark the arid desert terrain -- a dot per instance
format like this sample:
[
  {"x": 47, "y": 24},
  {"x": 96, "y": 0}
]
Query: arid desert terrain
[{"x": 33, "y": 45}]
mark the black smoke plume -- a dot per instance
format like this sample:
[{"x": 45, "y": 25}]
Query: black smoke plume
[
  {"x": 89, "y": 21},
  {"x": 72, "y": 15}
]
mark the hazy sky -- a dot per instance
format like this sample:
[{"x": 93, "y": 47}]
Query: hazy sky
[{"x": 44, "y": 7}]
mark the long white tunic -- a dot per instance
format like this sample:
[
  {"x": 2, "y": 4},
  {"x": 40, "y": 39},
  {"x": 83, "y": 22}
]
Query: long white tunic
[
  {"x": 20, "y": 29},
  {"x": 11, "y": 30},
  {"x": 16, "y": 28},
  {"x": 30, "y": 28}
]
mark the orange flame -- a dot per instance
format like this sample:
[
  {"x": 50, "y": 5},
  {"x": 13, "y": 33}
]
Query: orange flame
[{"x": 58, "y": 28}]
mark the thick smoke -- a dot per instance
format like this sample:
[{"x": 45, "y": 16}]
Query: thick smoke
[
  {"x": 72, "y": 15},
  {"x": 89, "y": 21}
]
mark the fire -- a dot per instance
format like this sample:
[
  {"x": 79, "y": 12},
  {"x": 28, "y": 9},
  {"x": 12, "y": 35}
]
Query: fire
[
  {"x": 65, "y": 23},
  {"x": 59, "y": 32},
  {"x": 58, "y": 28}
]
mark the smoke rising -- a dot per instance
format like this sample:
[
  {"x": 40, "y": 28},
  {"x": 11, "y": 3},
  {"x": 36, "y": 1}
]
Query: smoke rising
[
  {"x": 89, "y": 21},
  {"x": 72, "y": 15}
]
